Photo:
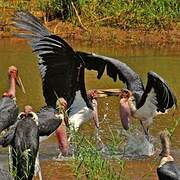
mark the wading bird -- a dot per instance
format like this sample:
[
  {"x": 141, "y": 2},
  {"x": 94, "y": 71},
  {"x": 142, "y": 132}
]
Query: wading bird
[
  {"x": 8, "y": 108},
  {"x": 24, "y": 130},
  {"x": 23, "y": 138},
  {"x": 62, "y": 72},
  {"x": 135, "y": 101},
  {"x": 167, "y": 169}
]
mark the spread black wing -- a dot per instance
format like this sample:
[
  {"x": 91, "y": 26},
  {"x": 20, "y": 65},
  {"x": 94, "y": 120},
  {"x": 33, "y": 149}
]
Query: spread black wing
[
  {"x": 114, "y": 69},
  {"x": 58, "y": 63},
  {"x": 164, "y": 96},
  {"x": 8, "y": 137}
]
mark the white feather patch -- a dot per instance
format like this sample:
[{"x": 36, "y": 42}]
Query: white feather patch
[
  {"x": 34, "y": 116},
  {"x": 148, "y": 111},
  {"x": 164, "y": 160}
]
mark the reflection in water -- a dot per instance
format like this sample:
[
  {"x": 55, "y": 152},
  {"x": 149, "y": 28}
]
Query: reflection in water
[{"x": 164, "y": 61}]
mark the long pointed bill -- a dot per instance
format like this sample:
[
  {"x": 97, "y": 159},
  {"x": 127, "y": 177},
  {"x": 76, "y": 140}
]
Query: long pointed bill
[
  {"x": 124, "y": 113},
  {"x": 20, "y": 84}
]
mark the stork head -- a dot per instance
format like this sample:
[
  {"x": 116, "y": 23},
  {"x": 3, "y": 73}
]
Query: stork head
[
  {"x": 92, "y": 94},
  {"x": 28, "y": 113},
  {"x": 125, "y": 93},
  {"x": 61, "y": 104},
  {"x": 28, "y": 109},
  {"x": 124, "y": 108},
  {"x": 13, "y": 74}
]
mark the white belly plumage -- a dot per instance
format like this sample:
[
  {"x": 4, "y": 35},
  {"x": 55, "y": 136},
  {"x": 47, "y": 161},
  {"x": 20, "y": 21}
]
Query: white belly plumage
[{"x": 79, "y": 112}]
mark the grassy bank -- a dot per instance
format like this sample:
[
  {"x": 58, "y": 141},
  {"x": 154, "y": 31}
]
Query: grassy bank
[{"x": 126, "y": 22}]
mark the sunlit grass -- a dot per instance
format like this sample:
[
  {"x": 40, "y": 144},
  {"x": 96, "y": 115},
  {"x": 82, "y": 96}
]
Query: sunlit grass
[
  {"x": 122, "y": 14},
  {"x": 91, "y": 164}
]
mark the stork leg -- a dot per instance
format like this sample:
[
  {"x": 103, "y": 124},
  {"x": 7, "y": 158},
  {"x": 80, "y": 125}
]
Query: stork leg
[{"x": 146, "y": 131}]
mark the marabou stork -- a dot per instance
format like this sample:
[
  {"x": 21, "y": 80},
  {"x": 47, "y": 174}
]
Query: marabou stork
[
  {"x": 24, "y": 130},
  {"x": 62, "y": 73},
  {"x": 135, "y": 101},
  {"x": 23, "y": 137},
  {"x": 8, "y": 108},
  {"x": 167, "y": 169}
]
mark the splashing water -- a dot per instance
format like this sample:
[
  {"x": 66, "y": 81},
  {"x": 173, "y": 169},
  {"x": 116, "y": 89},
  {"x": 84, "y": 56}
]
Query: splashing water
[
  {"x": 99, "y": 141},
  {"x": 137, "y": 145}
]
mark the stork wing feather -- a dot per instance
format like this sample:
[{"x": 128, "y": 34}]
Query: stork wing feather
[
  {"x": 48, "y": 122},
  {"x": 114, "y": 69},
  {"x": 164, "y": 96},
  {"x": 57, "y": 60},
  {"x": 8, "y": 112},
  {"x": 8, "y": 137}
]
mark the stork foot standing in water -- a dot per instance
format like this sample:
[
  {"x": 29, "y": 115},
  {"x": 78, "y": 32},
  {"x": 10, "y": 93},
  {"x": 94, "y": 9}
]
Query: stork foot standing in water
[{"x": 167, "y": 169}]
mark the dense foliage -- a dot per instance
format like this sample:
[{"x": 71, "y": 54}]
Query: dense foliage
[{"x": 115, "y": 13}]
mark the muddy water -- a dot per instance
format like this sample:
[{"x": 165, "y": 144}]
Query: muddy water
[{"x": 164, "y": 61}]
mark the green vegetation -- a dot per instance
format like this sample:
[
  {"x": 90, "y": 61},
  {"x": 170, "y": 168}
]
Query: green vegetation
[
  {"x": 124, "y": 14},
  {"x": 90, "y": 163}
]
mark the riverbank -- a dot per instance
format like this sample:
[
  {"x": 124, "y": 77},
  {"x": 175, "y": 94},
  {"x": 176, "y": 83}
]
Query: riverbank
[
  {"x": 115, "y": 36},
  {"x": 108, "y": 35}
]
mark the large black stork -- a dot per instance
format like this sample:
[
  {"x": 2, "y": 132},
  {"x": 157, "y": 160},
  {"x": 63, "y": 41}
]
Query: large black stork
[
  {"x": 8, "y": 107},
  {"x": 167, "y": 169},
  {"x": 62, "y": 73},
  {"x": 23, "y": 138},
  {"x": 24, "y": 130}
]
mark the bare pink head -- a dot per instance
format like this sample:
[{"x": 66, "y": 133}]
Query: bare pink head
[{"x": 28, "y": 109}]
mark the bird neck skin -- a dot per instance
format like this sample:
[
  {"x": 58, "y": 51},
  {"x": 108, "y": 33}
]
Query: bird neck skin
[
  {"x": 131, "y": 106},
  {"x": 12, "y": 86},
  {"x": 11, "y": 92},
  {"x": 62, "y": 138},
  {"x": 166, "y": 159}
]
